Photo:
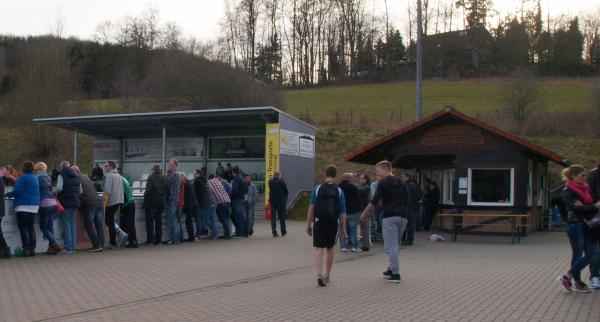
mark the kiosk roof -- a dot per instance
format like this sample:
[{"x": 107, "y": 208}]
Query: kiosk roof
[{"x": 227, "y": 121}]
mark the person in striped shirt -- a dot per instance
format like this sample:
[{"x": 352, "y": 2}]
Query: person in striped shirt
[{"x": 223, "y": 204}]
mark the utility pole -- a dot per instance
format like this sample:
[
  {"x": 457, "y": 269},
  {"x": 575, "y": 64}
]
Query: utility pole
[{"x": 419, "y": 61}]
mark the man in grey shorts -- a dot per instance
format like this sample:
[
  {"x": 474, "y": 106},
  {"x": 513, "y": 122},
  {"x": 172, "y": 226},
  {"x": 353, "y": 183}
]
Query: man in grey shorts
[{"x": 392, "y": 195}]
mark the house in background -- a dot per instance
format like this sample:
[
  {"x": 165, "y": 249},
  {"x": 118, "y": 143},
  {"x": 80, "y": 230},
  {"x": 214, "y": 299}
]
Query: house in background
[{"x": 457, "y": 53}]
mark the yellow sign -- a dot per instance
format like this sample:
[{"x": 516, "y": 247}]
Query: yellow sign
[{"x": 271, "y": 155}]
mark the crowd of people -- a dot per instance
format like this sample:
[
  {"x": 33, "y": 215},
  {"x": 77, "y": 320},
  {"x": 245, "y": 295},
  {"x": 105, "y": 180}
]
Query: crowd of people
[{"x": 226, "y": 196}]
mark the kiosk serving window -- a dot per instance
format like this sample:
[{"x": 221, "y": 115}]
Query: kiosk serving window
[{"x": 491, "y": 187}]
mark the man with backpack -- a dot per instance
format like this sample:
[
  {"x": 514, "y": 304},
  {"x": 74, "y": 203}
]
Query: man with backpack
[
  {"x": 392, "y": 194},
  {"x": 327, "y": 207}
]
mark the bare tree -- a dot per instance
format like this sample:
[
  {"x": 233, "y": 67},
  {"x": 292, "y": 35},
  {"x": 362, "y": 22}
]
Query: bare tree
[
  {"x": 105, "y": 32},
  {"x": 591, "y": 30},
  {"x": 171, "y": 36},
  {"x": 521, "y": 97},
  {"x": 58, "y": 27}
]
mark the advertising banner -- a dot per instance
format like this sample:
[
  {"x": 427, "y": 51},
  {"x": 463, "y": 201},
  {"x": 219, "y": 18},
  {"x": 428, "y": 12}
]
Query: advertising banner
[
  {"x": 271, "y": 155},
  {"x": 151, "y": 149}
]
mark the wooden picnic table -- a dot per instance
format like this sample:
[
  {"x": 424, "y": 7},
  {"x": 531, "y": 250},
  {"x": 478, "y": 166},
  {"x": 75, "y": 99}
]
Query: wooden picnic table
[{"x": 515, "y": 227}]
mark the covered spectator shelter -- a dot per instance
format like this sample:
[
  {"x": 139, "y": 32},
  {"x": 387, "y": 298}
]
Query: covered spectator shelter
[
  {"x": 259, "y": 140},
  {"x": 478, "y": 167}
]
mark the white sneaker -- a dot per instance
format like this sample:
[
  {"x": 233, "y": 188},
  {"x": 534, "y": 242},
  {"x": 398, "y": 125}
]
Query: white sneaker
[
  {"x": 344, "y": 250},
  {"x": 354, "y": 249},
  {"x": 595, "y": 283}
]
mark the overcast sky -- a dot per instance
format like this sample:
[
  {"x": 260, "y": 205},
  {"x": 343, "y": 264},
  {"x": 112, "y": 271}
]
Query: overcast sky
[{"x": 198, "y": 18}]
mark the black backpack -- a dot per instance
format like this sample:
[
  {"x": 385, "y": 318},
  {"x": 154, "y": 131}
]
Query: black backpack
[{"x": 327, "y": 207}]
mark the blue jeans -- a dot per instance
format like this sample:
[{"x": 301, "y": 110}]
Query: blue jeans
[
  {"x": 582, "y": 247},
  {"x": 351, "y": 225},
  {"x": 47, "y": 218},
  {"x": 224, "y": 214},
  {"x": 93, "y": 221},
  {"x": 26, "y": 230},
  {"x": 206, "y": 219},
  {"x": 237, "y": 207},
  {"x": 67, "y": 218},
  {"x": 278, "y": 209},
  {"x": 211, "y": 213},
  {"x": 249, "y": 214},
  {"x": 174, "y": 225}
]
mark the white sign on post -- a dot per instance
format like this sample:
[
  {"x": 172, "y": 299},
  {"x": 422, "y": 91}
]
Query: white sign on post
[{"x": 307, "y": 146}]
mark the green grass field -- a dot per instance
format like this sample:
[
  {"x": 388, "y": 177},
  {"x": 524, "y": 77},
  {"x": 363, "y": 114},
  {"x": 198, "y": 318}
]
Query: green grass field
[{"x": 376, "y": 101}]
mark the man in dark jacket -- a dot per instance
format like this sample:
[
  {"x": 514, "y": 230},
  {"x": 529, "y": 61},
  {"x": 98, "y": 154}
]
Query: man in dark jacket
[
  {"x": 431, "y": 203},
  {"x": 278, "y": 194},
  {"x": 155, "y": 200},
  {"x": 593, "y": 180},
  {"x": 69, "y": 191},
  {"x": 364, "y": 196},
  {"x": 91, "y": 208},
  {"x": 206, "y": 207},
  {"x": 238, "y": 192},
  {"x": 190, "y": 209},
  {"x": 350, "y": 190},
  {"x": 415, "y": 194}
]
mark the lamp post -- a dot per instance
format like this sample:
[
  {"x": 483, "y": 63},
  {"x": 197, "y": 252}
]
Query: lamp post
[{"x": 419, "y": 61}]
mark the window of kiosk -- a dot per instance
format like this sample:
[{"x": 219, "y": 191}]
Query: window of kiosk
[{"x": 491, "y": 187}]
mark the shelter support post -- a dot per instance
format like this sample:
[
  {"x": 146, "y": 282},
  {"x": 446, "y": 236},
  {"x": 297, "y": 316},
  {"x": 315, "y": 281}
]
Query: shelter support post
[
  {"x": 75, "y": 145},
  {"x": 164, "y": 149},
  {"x": 206, "y": 156},
  {"x": 121, "y": 156},
  {"x": 546, "y": 211}
]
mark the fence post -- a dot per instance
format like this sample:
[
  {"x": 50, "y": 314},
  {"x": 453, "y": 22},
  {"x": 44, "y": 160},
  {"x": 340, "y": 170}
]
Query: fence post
[
  {"x": 351, "y": 116},
  {"x": 337, "y": 117}
]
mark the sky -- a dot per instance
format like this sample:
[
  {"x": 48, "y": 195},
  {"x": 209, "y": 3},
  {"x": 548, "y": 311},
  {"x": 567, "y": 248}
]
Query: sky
[{"x": 197, "y": 18}]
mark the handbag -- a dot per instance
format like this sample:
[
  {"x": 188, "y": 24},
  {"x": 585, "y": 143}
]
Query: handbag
[
  {"x": 59, "y": 207},
  {"x": 594, "y": 222}
]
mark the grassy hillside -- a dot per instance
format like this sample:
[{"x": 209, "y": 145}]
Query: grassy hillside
[
  {"x": 378, "y": 109},
  {"x": 375, "y": 102}
]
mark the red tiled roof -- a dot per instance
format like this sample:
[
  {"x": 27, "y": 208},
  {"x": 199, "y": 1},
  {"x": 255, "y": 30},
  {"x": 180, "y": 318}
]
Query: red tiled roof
[{"x": 547, "y": 154}]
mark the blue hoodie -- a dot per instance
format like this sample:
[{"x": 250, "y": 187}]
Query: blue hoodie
[{"x": 26, "y": 191}]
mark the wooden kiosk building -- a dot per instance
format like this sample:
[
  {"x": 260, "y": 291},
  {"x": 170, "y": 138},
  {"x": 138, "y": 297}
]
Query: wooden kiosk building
[{"x": 479, "y": 168}]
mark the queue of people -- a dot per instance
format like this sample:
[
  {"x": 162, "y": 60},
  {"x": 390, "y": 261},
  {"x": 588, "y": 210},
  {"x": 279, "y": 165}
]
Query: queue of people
[{"x": 202, "y": 200}]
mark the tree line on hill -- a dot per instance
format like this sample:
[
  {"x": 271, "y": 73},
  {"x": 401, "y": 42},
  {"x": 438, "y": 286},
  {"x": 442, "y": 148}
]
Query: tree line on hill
[
  {"x": 148, "y": 68},
  {"x": 320, "y": 42}
]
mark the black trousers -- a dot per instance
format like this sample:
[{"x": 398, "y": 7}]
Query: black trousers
[
  {"x": 2, "y": 240},
  {"x": 109, "y": 220},
  {"x": 25, "y": 224},
  {"x": 154, "y": 225},
  {"x": 128, "y": 222},
  {"x": 428, "y": 215},
  {"x": 190, "y": 214}
]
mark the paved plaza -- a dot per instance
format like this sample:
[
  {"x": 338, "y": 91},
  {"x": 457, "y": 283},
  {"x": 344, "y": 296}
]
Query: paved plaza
[{"x": 272, "y": 279}]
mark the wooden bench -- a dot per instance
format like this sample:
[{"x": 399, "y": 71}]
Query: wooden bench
[{"x": 516, "y": 221}]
